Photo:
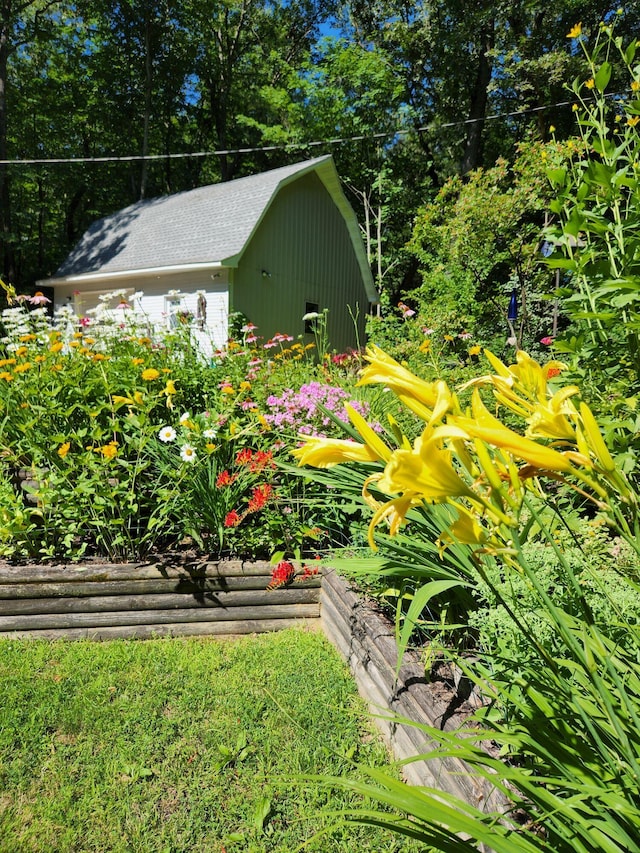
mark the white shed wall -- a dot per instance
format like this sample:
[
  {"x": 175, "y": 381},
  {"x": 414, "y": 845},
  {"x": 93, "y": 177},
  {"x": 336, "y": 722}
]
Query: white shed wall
[{"x": 161, "y": 293}]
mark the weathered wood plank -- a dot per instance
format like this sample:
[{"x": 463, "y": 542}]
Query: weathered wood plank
[
  {"x": 366, "y": 641},
  {"x": 230, "y": 628},
  {"x": 25, "y": 622},
  {"x": 164, "y": 601},
  {"x": 72, "y": 572},
  {"x": 140, "y": 587}
]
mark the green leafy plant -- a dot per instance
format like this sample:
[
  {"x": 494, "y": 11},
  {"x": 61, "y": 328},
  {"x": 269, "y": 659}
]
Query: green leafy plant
[
  {"x": 564, "y": 710},
  {"x": 595, "y": 232}
]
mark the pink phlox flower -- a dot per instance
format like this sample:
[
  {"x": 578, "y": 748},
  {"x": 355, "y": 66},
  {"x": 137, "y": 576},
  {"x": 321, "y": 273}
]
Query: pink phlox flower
[{"x": 547, "y": 341}]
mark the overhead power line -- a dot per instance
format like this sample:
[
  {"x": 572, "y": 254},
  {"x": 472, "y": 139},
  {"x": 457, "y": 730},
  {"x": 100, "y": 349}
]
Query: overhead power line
[{"x": 132, "y": 158}]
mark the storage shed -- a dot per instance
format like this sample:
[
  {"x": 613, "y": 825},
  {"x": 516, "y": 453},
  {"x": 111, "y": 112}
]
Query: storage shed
[{"x": 273, "y": 246}]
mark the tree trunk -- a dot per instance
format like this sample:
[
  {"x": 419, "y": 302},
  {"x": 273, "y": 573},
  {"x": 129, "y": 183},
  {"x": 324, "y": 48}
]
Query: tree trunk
[
  {"x": 479, "y": 96},
  {"x": 8, "y": 261}
]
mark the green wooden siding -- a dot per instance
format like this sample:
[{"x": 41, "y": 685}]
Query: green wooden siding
[{"x": 301, "y": 253}]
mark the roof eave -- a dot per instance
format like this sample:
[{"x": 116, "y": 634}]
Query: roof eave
[{"x": 91, "y": 277}]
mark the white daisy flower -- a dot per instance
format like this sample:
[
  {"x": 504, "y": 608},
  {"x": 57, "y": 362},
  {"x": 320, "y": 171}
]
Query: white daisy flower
[
  {"x": 187, "y": 453},
  {"x": 209, "y": 433},
  {"x": 167, "y": 434}
]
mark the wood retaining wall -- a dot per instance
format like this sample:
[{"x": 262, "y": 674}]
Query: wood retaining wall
[
  {"x": 366, "y": 640},
  {"x": 146, "y": 600}
]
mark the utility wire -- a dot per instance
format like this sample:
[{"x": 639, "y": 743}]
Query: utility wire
[{"x": 132, "y": 158}]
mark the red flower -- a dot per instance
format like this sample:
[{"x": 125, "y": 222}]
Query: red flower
[
  {"x": 232, "y": 519},
  {"x": 260, "y": 460},
  {"x": 223, "y": 479},
  {"x": 259, "y": 497},
  {"x": 244, "y": 456},
  {"x": 552, "y": 371},
  {"x": 283, "y": 574}
]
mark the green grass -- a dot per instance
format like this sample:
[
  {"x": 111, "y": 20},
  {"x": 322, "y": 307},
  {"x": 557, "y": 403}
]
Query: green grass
[{"x": 179, "y": 745}]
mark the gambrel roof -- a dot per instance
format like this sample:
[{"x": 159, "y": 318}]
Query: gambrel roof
[{"x": 207, "y": 226}]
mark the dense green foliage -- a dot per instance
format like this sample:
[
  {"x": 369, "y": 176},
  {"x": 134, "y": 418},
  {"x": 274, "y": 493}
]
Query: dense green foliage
[{"x": 213, "y": 91}]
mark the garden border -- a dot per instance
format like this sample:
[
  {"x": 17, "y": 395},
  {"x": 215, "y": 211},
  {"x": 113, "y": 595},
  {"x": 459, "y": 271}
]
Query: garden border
[
  {"x": 172, "y": 597},
  {"x": 365, "y": 638}
]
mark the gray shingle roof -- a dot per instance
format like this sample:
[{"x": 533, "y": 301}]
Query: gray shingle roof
[{"x": 206, "y": 225}]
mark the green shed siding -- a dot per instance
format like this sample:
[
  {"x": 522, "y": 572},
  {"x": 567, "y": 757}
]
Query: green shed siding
[{"x": 301, "y": 253}]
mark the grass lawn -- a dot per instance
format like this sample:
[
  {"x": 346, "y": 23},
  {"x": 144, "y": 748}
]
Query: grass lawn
[{"x": 179, "y": 745}]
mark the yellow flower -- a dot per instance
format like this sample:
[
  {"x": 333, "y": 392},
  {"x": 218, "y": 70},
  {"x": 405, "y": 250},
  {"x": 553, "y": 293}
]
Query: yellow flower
[
  {"x": 552, "y": 420},
  {"x": 8, "y": 377},
  {"x": 118, "y": 399},
  {"x": 373, "y": 441},
  {"x": 98, "y": 356},
  {"x": 56, "y": 347},
  {"x": 56, "y": 367},
  {"x": 494, "y": 433},
  {"x": 425, "y": 472},
  {"x": 109, "y": 450},
  {"x": 575, "y": 31},
  {"x": 590, "y": 83},
  {"x": 448, "y": 338},
  {"x": 575, "y": 108},
  {"x": 22, "y": 351},
  {"x": 429, "y": 400},
  {"x": 632, "y": 121},
  {"x": 4, "y": 362},
  {"x": 39, "y": 359},
  {"x": 89, "y": 340},
  {"x": 552, "y": 128},
  {"x": 425, "y": 346},
  {"x": 325, "y": 452},
  {"x": 73, "y": 344},
  {"x": 64, "y": 449},
  {"x": 137, "y": 361},
  {"x": 22, "y": 367},
  {"x": 78, "y": 335},
  {"x": 228, "y": 389},
  {"x": 144, "y": 341},
  {"x": 245, "y": 386},
  {"x": 209, "y": 447},
  {"x": 25, "y": 338},
  {"x": 150, "y": 374},
  {"x": 475, "y": 350},
  {"x": 635, "y": 86}
]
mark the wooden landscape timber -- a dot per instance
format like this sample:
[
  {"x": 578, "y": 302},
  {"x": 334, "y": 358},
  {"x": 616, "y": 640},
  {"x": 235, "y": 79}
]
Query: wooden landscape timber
[
  {"x": 142, "y": 600},
  {"x": 365, "y": 639}
]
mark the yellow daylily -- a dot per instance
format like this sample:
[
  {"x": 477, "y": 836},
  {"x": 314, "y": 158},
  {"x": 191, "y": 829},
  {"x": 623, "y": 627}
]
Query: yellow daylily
[
  {"x": 520, "y": 387},
  {"x": 370, "y": 438},
  {"x": 552, "y": 420},
  {"x": 325, "y": 452},
  {"x": 433, "y": 399},
  {"x": 490, "y": 430},
  {"x": 425, "y": 472},
  {"x": 394, "y": 513}
]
